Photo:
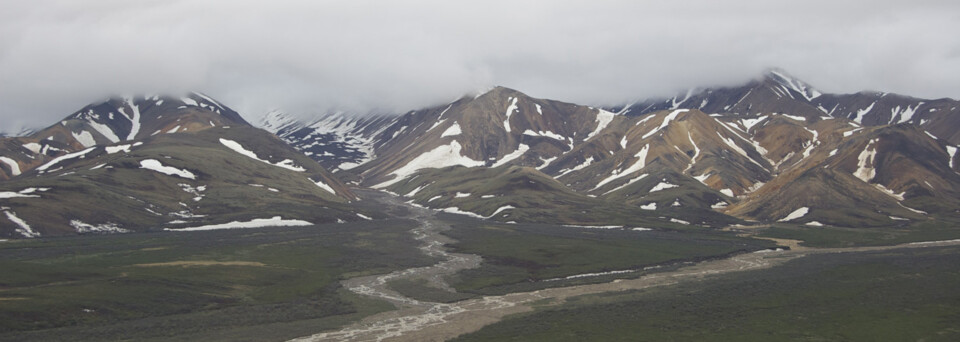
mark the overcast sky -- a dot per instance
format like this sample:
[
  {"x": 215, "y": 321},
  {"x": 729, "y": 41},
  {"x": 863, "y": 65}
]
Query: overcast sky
[{"x": 314, "y": 56}]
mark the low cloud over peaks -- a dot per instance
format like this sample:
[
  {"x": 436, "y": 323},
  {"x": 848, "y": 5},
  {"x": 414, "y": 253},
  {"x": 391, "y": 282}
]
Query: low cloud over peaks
[{"x": 309, "y": 56}]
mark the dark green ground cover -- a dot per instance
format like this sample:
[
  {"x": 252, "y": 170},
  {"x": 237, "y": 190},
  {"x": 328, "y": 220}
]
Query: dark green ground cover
[
  {"x": 95, "y": 287},
  {"x": 517, "y": 257},
  {"x": 943, "y": 228},
  {"x": 899, "y": 295}
]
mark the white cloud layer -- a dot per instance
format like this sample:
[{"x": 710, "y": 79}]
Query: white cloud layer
[{"x": 361, "y": 55}]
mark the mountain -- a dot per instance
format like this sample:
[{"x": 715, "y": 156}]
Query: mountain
[
  {"x": 772, "y": 150},
  {"x": 779, "y": 92},
  {"x": 155, "y": 162},
  {"x": 113, "y": 121},
  {"x": 338, "y": 141}
]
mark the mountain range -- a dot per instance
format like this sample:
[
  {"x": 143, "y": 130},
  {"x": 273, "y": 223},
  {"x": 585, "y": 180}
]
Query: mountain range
[{"x": 774, "y": 150}]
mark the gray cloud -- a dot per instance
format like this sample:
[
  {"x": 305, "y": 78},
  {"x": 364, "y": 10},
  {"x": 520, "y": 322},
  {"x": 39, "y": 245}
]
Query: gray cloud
[{"x": 313, "y": 56}]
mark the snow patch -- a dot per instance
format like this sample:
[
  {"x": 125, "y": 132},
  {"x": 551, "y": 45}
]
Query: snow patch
[
  {"x": 323, "y": 185},
  {"x": 631, "y": 181},
  {"x": 696, "y": 153},
  {"x": 84, "y": 138},
  {"x": 444, "y": 112},
  {"x": 510, "y": 109},
  {"x": 952, "y": 151},
  {"x": 105, "y": 131},
  {"x": 453, "y": 130},
  {"x": 25, "y": 193},
  {"x": 906, "y": 114},
  {"x": 749, "y": 123},
  {"x": 795, "y": 214},
  {"x": 435, "y": 124},
  {"x": 603, "y": 119},
  {"x": 14, "y": 166},
  {"x": 862, "y": 112},
  {"x": 586, "y": 163},
  {"x": 592, "y": 227},
  {"x": 887, "y": 191},
  {"x": 155, "y": 165},
  {"x": 666, "y": 121},
  {"x": 546, "y": 162},
  {"x": 649, "y": 206},
  {"x": 637, "y": 166},
  {"x": 800, "y": 87},
  {"x": 120, "y": 148},
  {"x": 236, "y": 147},
  {"x": 188, "y": 101},
  {"x": 548, "y": 134},
  {"x": 663, "y": 186},
  {"x": 814, "y": 142},
  {"x": 501, "y": 209},
  {"x": 865, "y": 170},
  {"x": 414, "y": 191},
  {"x": 455, "y": 210},
  {"x": 275, "y": 221},
  {"x": 442, "y": 156},
  {"x": 24, "y": 228},
  {"x": 733, "y": 145},
  {"x": 33, "y": 147},
  {"x": 513, "y": 155},
  {"x": 134, "y": 118},
  {"x": 67, "y": 156},
  {"x": 461, "y": 195},
  {"x": 108, "y": 227},
  {"x": 795, "y": 117}
]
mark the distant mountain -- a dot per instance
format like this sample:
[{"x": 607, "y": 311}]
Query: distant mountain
[
  {"x": 779, "y": 92},
  {"x": 775, "y": 149},
  {"x": 16, "y": 132},
  {"x": 338, "y": 141},
  {"x": 155, "y": 162}
]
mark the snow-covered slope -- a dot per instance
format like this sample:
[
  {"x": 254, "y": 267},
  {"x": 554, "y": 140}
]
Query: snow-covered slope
[{"x": 338, "y": 141}]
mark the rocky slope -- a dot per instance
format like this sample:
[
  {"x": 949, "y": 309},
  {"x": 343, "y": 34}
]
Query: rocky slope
[
  {"x": 150, "y": 163},
  {"x": 773, "y": 150}
]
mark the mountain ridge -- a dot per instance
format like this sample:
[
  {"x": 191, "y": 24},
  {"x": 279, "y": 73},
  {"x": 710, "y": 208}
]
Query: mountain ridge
[
  {"x": 680, "y": 152},
  {"x": 767, "y": 151},
  {"x": 155, "y": 163}
]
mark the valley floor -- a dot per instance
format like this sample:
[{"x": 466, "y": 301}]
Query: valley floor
[
  {"x": 405, "y": 279},
  {"x": 417, "y": 320},
  {"x": 447, "y": 321}
]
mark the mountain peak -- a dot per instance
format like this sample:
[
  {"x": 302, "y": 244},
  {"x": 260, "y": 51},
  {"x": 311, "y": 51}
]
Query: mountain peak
[
  {"x": 784, "y": 79},
  {"x": 498, "y": 91}
]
